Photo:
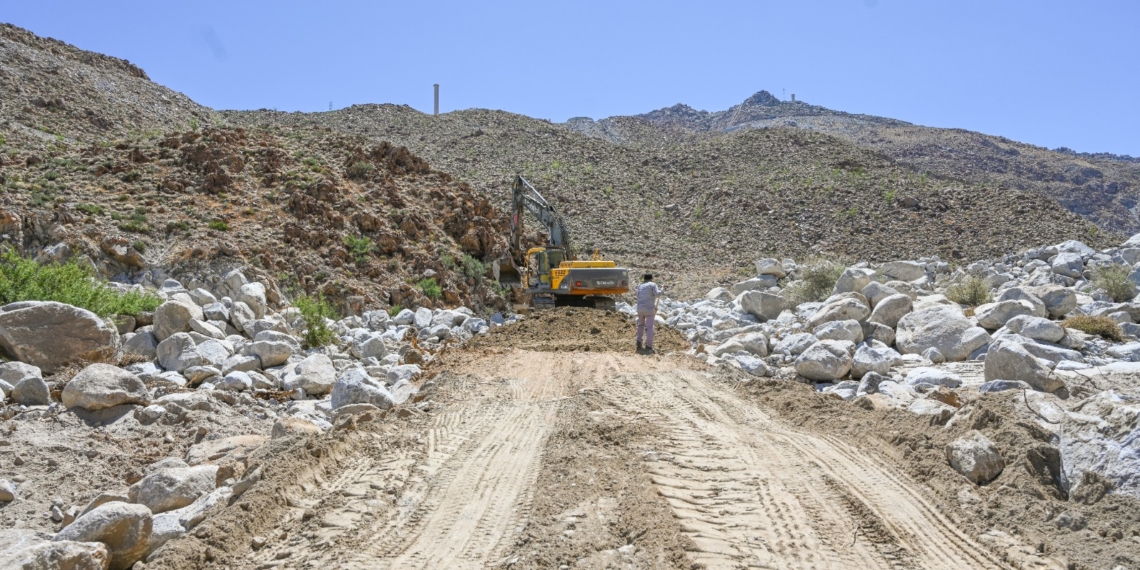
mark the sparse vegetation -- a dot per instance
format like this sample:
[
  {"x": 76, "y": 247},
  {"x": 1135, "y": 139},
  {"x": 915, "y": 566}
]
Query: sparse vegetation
[
  {"x": 23, "y": 279},
  {"x": 473, "y": 268},
  {"x": 314, "y": 311},
  {"x": 817, "y": 280},
  {"x": 395, "y": 310},
  {"x": 139, "y": 245},
  {"x": 1113, "y": 279},
  {"x": 219, "y": 225},
  {"x": 360, "y": 169},
  {"x": 90, "y": 209},
  {"x": 1103, "y": 327},
  {"x": 430, "y": 288},
  {"x": 359, "y": 247},
  {"x": 970, "y": 291}
]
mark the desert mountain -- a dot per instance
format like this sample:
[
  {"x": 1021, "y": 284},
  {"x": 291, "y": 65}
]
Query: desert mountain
[{"x": 1102, "y": 187}]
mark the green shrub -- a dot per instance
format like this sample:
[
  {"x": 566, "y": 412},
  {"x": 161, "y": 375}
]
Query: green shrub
[
  {"x": 394, "y": 310},
  {"x": 139, "y": 245},
  {"x": 24, "y": 279},
  {"x": 971, "y": 291},
  {"x": 430, "y": 288},
  {"x": 358, "y": 247},
  {"x": 180, "y": 226},
  {"x": 314, "y": 311},
  {"x": 219, "y": 225},
  {"x": 473, "y": 268},
  {"x": 90, "y": 209},
  {"x": 1113, "y": 279},
  {"x": 360, "y": 169},
  {"x": 1100, "y": 326},
  {"x": 817, "y": 280}
]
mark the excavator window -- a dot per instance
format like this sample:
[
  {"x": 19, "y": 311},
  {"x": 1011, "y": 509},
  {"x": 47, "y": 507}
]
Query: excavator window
[{"x": 555, "y": 257}]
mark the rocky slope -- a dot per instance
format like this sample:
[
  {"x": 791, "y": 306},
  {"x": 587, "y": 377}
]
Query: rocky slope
[
  {"x": 51, "y": 89},
  {"x": 699, "y": 208},
  {"x": 1102, "y": 187}
]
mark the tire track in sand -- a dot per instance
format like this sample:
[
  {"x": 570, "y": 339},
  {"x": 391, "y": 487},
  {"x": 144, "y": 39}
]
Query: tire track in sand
[{"x": 753, "y": 493}]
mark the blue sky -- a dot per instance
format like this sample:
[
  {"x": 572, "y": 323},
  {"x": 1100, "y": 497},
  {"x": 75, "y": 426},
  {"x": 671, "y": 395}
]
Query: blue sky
[{"x": 1050, "y": 73}]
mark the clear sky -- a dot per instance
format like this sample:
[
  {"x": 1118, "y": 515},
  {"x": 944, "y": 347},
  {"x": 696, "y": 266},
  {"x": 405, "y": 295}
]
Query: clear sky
[{"x": 1051, "y": 73}]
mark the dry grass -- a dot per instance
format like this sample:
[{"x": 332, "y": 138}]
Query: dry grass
[
  {"x": 1100, "y": 326},
  {"x": 1113, "y": 279}
]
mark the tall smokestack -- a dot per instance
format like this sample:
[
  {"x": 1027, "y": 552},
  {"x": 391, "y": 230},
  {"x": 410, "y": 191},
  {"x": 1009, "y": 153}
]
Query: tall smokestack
[{"x": 436, "y": 98}]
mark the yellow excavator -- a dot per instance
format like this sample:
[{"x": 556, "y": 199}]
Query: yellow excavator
[{"x": 551, "y": 275}]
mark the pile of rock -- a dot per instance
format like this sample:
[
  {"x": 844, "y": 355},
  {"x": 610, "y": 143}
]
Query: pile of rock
[
  {"x": 199, "y": 350},
  {"x": 889, "y": 334}
]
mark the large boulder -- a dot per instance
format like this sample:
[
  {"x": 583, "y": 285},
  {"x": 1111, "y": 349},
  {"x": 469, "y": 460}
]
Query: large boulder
[
  {"x": 942, "y": 327},
  {"x": 935, "y": 376},
  {"x": 23, "y": 549},
  {"x": 270, "y": 352},
  {"x": 794, "y": 344},
  {"x": 770, "y": 267},
  {"x": 993, "y": 316},
  {"x": 1069, "y": 264},
  {"x": 124, "y": 529},
  {"x": 975, "y": 457},
  {"x": 355, "y": 386},
  {"x": 850, "y": 331},
  {"x": 753, "y": 343},
  {"x": 179, "y": 352},
  {"x": 142, "y": 343},
  {"x": 875, "y": 292},
  {"x": 52, "y": 335},
  {"x": 1009, "y": 360},
  {"x": 763, "y": 305},
  {"x": 888, "y": 311},
  {"x": 101, "y": 386},
  {"x": 315, "y": 374},
  {"x": 841, "y": 308},
  {"x": 755, "y": 284},
  {"x": 31, "y": 391},
  {"x": 1020, "y": 294},
  {"x": 869, "y": 358},
  {"x": 370, "y": 346},
  {"x": 903, "y": 270},
  {"x": 824, "y": 361},
  {"x": 253, "y": 295},
  {"x": 1059, "y": 301},
  {"x": 853, "y": 279},
  {"x": 1101, "y": 436},
  {"x": 174, "y": 317},
  {"x": 174, "y": 488},
  {"x": 1036, "y": 328}
]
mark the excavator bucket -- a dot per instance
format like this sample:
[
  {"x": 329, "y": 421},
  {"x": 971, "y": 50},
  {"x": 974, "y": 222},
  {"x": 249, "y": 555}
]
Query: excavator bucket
[{"x": 506, "y": 273}]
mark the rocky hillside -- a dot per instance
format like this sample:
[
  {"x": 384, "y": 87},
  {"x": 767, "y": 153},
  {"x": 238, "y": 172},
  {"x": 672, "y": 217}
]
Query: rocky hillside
[
  {"x": 50, "y": 89},
  {"x": 1103, "y": 188},
  {"x": 701, "y": 208},
  {"x": 99, "y": 164}
]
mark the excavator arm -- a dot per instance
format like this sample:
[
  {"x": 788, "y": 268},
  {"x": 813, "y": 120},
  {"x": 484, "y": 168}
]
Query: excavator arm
[{"x": 524, "y": 198}]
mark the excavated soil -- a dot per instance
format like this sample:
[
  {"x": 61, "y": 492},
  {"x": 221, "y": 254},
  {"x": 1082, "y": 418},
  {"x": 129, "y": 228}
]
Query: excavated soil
[{"x": 577, "y": 330}]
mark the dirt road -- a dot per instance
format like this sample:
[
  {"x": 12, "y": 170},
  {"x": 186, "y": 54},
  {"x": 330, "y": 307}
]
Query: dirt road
[{"x": 593, "y": 460}]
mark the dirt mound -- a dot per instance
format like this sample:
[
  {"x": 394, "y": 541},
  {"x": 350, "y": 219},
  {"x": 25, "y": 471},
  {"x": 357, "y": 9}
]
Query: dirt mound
[{"x": 577, "y": 330}]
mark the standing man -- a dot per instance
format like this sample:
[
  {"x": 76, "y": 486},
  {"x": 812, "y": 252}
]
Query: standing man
[{"x": 647, "y": 294}]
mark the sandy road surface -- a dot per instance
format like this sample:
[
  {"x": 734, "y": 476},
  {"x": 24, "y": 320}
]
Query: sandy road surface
[{"x": 746, "y": 490}]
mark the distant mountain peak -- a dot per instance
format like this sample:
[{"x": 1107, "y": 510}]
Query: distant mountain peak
[{"x": 762, "y": 98}]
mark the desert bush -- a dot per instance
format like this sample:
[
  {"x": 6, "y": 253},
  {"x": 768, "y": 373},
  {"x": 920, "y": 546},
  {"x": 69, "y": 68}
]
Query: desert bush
[
  {"x": 473, "y": 268},
  {"x": 817, "y": 280},
  {"x": 219, "y": 225},
  {"x": 971, "y": 291},
  {"x": 394, "y": 310},
  {"x": 360, "y": 169},
  {"x": 1101, "y": 326},
  {"x": 23, "y": 279},
  {"x": 1113, "y": 279},
  {"x": 430, "y": 288},
  {"x": 358, "y": 247},
  {"x": 314, "y": 311}
]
